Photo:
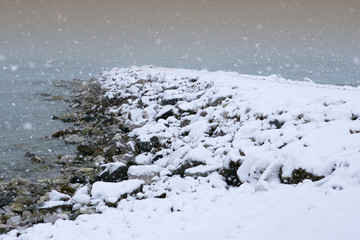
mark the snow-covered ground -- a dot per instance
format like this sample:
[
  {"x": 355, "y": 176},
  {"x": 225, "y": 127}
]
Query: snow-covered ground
[{"x": 204, "y": 122}]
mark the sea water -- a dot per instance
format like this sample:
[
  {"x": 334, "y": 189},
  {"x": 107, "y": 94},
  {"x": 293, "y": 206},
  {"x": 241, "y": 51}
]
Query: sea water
[{"x": 26, "y": 123}]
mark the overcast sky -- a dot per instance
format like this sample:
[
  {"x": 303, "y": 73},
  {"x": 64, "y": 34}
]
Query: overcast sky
[{"x": 163, "y": 30}]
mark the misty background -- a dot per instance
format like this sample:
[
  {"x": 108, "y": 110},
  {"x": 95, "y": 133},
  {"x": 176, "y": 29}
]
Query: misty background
[{"x": 293, "y": 39}]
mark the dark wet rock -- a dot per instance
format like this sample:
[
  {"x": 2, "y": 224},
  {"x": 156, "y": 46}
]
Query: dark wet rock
[
  {"x": 354, "y": 117},
  {"x": 86, "y": 149},
  {"x": 54, "y": 98},
  {"x": 66, "y": 159},
  {"x": 114, "y": 173},
  {"x": 111, "y": 151},
  {"x": 277, "y": 123},
  {"x": 299, "y": 175},
  {"x": 165, "y": 115},
  {"x": 36, "y": 159},
  {"x": 29, "y": 154},
  {"x": 217, "y": 102},
  {"x": 185, "y": 122},
  {"x": 230, "y": 174},
  {"x": 88, "y": 118},
  {"x": 65, "y": 132},
  {"x": 6, "y": 197},
  {"x": 147, "y": 146},
  {"x": 172, "y": 101},
  {"x": 54, "y": 117},
  {"x": 163, "y": 195},
  {"x": 188, "y": 164},
  {"x": 69, "y": 117}
]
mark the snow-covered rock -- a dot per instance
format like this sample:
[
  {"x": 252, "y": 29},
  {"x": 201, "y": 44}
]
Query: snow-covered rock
[{"x": 110, "y": 191}]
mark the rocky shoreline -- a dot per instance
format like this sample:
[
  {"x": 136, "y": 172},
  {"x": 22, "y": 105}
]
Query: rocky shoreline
[{"x": 117, "y": 144}]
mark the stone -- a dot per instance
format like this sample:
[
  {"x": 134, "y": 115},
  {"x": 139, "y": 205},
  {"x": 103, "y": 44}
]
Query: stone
[
  {"x": 66, "y": 159},
  {"x": 171, "y": 101},
  {"x": 144, "y": 172},
  {"x": 6, "y": 197},
  {"x": 36, "y": 159},
  {"x": 14, "y": 220},
  {"x": 99, "y": 160},
  {"x": 110, "y": 151},
  {"x": 277, "y": 123},
  {"x": 299, "y": 175},
  {"x": 164, "y": 115},
  {"x": 26, "y": 214},
  {"x": 17, "y": 207},
  {"x": 230, "y": 174},
  {"x": 147, "y": 146},
  {"x": 69, "y": 117},
  {"x": 86, "y": 149},
  {"x": 29, "y": 154},
  {"x": 114, "y": 172},
  {"x": 188, "y": 164},
  {"x": 51, "y": 218},
  {"x": 64, "y": 132},
  {"x": 74, "y": 139}
]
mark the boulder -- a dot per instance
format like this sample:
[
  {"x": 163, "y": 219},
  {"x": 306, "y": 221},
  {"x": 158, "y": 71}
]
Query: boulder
[
  {"x": 86, "y": 149},
  {"x": 144, "y": 172},
  {"x": 6, "y": 197},
  {"x": 147, "y": 146},
  {"x": 113, "y": 172},
  {"x": 298, "y": 175}
]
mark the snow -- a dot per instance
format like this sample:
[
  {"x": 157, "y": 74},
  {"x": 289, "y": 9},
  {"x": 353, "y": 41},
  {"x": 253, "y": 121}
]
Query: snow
[
  {"x": 268, "y": 124},
  {"x": 106, "y": 190}
]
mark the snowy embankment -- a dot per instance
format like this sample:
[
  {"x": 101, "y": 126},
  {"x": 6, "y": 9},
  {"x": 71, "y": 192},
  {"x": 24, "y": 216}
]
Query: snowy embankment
[{"x": 223, "y": 156}]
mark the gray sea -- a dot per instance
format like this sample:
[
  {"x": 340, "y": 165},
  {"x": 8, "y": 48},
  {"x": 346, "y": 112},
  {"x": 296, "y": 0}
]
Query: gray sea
[{"x": 25, "y": 115}]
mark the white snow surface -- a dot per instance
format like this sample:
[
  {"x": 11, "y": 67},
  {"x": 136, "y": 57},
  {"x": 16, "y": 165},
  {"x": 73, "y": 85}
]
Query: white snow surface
[{"x": 266, "y": 123}]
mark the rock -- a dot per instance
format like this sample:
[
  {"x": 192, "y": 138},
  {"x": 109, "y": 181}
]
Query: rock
[
  {"x": 64, "y": 132},
  {"x": 6, "y": 197},
  {"x": 5, "y": 228},
  {"x": 36, "y": 159},
  {"x": 66, "y": 159},
  {"x": 217, "y": 101},
  {"x": 74, "y": 139},
  {"x": 201, "y": 171},
  {"x": 26, "y": 214},
  {"x": 144, "y": 172},
  {"x": 14, "y": 220},
  {"x": 69, "y": 117},
  {"x": 187, "y": 164},
  {"x": 17, "y": 207},
  {"x": 29, "y": 154},
  {"x": 86, "y": 149},
  {"x": 277, "y": 123},
  {"x": 115, "y": 191},
  {"x": 114, "y": 172},
  {"x": 147, "y": 146},
  {"x": 57, "y": 98},
  {"x": 99, "y": 160},
  {"x": 299, "y": 175},
  {"x": 110, "y": 151},
  {"x": 51, "y": 218},
  {"x": 171, "y": 101},
  {"x": 164, "y": 113},
  {"x": 230, "y": 174},
  {"x": 57, "y": 196}
]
